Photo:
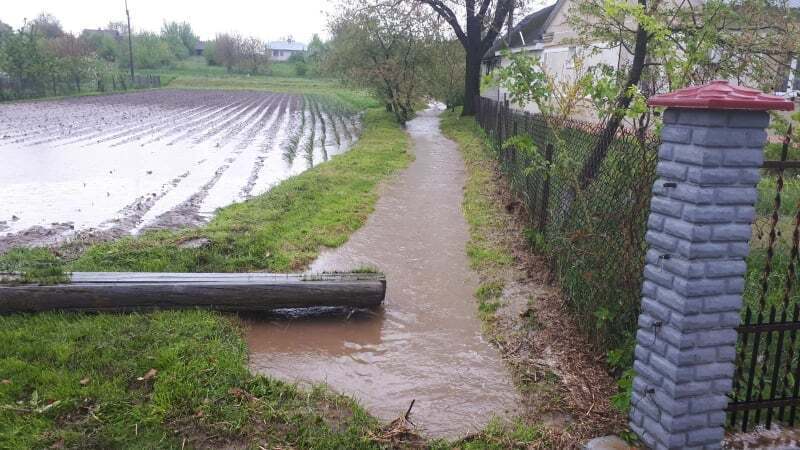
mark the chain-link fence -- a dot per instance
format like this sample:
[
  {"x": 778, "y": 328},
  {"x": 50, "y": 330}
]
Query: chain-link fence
[{"x": 587, "y": 201}]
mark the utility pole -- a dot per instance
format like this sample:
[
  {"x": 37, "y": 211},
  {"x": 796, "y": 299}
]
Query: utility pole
[{"x": 130, "y": 39}]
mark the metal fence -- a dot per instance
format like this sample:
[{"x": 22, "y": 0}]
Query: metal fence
[
  {"x": 766, "y": 387},
  {"x": 18, "y": 88},
  {"x": 591, "y": 229}
]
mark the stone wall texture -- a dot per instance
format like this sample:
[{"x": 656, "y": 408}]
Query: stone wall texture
[{"x": 698, "y": 237}]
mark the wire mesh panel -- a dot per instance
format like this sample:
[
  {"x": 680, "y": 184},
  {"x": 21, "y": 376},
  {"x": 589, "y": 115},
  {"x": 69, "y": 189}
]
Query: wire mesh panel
[
  {"x": 767, "y": 379},
  {"x": 592, "y": 229}
]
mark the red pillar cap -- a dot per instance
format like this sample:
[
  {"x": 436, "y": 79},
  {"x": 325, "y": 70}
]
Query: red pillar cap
[{"x": 720, "y": 94}]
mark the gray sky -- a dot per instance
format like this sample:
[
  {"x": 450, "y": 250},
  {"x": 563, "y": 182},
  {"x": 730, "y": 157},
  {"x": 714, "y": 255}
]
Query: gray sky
[{"x": 266, "y": 19}]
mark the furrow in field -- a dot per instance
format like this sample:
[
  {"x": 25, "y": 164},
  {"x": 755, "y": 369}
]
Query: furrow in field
[
  {"x": 168, "y": 124},
  {"x": 280, "y": 121},
  {"x": 143, "y": 126},
  {"x": 228, "y": 188},
  {"x": 250, "y": 122},
  {"x": 66, "y": 118},
  {"x": 172, "y": 129},
  {"x": 250, "y": 136},
  {"x": 224, "y": 125},
  {"x": 68, "y": 125},
  {"x": 119, "y": 130},
  {"x": 308, "y": 146},
  {"x": 235, "y": 110},
  {"x": 187, "y": 213},
  {"x": 322, "y": 153},
  {"x": 297, "y": 126}
]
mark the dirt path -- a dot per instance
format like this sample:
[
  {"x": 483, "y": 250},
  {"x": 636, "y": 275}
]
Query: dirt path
[{"x": 426, "y": 344}]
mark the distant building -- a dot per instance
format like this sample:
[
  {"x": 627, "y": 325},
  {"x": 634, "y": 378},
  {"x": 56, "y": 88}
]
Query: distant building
[
  {"x": 283, "y": 50},
  {"x": 199, "y": 48}
]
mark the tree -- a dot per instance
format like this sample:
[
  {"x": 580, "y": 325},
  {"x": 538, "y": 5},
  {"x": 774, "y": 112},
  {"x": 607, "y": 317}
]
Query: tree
[
  {"x": 46, "y": 25},
  {"x": 73, "y": 57},
  {"x": 477, "y": 32},
  {"x": 24, "y": 58},
  {"x": 180, "y": 38},
  {"x": 103, "y": 45},
  {"x": 226, "y": 50},
  {"x": 251, "y": 56},
  {"x": 316, "y": 52},
  {"x": 381, "y": 47},
  {"x": 677, "y": 43},
  {"x": 6, "y": 30},
  {"x": 444, "y": 79},
  {"x": 151, "y": 52},
  {"x": 238, "y": 54}
]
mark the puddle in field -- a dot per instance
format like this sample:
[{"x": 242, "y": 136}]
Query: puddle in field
[
  {"x": 123, "y": 163},
  {"x": 426, "y": 343}
]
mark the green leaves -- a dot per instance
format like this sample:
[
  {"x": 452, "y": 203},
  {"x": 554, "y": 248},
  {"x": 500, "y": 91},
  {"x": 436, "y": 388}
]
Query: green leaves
[{"x": 524, "y": 79}]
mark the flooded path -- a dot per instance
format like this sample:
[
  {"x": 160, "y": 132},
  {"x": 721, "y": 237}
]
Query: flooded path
[{"x": 426, "y": 343}]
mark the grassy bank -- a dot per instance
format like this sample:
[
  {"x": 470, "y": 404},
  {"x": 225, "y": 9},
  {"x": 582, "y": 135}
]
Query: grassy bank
[
  {"x": 170, "y": 379},
  {"x": 523, "y": 314}
]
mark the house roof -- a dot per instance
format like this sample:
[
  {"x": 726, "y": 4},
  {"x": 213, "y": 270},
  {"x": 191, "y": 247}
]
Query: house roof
[
  {"x": 290, "y": 46},
  {"x": 530, "y": 28},
  {"x": 200, "y": 45}
]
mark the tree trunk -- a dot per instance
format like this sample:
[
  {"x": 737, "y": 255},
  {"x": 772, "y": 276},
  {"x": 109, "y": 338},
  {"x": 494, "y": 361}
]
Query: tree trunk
[
  {"x": 472, "y": 75},
  {"x": 472, "y": 82},
  {"x": 592, "y": 165},
  {"x": 122, "y": 292}
]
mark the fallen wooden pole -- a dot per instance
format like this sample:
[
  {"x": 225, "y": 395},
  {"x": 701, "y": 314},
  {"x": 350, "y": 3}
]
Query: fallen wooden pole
[{"x": 127, "y": 291}]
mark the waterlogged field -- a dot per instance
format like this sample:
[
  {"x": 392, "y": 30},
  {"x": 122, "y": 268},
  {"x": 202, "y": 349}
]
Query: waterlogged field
[{"x": 119, "y": 164}]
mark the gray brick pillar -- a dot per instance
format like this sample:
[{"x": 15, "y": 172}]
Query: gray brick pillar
[{"x": 698, "y": 237}]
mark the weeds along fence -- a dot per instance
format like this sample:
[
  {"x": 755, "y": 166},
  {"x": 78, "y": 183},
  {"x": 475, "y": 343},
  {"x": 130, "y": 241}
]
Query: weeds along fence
[
  {"x": 21, "y": 88},
  {"x": 593, "y": 236}
]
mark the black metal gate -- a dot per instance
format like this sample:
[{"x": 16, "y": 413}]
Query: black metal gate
[{"x": 766, "y": 385}]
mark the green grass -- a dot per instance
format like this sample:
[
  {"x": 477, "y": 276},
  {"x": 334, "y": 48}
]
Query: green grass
[
  {"x": 194, "y": 73},
  {"x": 87, "y": 381},
  {"x": 487, "y": 253},
  {"x": 197, "y": 66}
]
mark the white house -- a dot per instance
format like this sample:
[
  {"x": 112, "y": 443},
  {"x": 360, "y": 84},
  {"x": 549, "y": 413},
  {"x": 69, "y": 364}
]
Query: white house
[
  {"x": 547, "y": 34},
  {"x": 283, "y": 50}
]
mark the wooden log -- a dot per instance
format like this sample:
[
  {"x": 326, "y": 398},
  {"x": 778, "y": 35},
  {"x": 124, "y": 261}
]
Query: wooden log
[{"x": 126, "y": 291}]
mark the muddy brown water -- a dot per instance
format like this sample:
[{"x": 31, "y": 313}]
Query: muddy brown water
[{"x": 426, "y": 343}]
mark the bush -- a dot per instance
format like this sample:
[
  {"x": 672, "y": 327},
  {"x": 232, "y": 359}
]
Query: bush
[{"x": 300, "y": 69}]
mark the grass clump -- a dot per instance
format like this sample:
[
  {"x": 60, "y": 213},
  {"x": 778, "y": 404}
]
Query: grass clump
[{"x": 34, "y": 266}]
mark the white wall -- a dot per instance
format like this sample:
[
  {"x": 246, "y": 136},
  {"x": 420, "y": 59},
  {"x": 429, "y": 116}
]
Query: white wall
[{"x": 282, "y": 55}]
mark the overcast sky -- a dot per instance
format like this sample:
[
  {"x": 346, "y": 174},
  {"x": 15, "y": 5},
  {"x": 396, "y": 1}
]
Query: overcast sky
[{"x": 266, "y": 19}]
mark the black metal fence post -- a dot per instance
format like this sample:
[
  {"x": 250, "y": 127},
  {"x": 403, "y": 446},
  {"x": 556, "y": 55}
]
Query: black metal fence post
[{"x": 548, "y": 155}]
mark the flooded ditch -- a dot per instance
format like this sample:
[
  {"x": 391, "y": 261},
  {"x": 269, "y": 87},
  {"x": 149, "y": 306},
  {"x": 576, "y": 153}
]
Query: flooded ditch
[
  {"x": 426, "y": 343},
  {"x": 119, "y": 164}
]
